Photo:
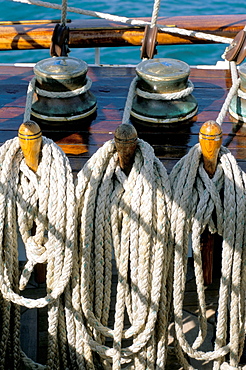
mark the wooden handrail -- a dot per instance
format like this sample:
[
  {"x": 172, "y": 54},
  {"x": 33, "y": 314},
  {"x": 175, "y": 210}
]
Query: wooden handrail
[{"x": 101, "y": 33}]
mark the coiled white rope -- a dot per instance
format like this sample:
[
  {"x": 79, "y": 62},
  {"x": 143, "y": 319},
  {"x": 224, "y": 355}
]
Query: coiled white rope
[
  {"x": 127, "y": 217},
  {"x": 195, "y": 198},
  {"x": 44, "y": 199}
]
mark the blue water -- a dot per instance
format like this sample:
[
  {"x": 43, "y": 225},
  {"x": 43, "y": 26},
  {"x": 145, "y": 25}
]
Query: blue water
[{"x": 191, "y": 54}]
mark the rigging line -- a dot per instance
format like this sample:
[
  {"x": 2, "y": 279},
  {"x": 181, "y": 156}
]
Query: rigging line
[
  {"x": 155, "y": 13},
  {"x": 64, "y": 13},
  {"x": 134, "y": 22}
]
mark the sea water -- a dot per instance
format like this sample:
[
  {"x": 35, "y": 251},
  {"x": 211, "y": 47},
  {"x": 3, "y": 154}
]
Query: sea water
[{"x": 191, "y": 54}]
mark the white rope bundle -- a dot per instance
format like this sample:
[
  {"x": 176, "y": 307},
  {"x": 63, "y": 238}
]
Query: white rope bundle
[
  {"x": 127, "y": 217},
  {"x": 44, "y": 200},
  {"x": 195, "y": 198}
]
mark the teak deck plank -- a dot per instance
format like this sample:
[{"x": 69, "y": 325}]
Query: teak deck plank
[{"x": 110, "y": 86}]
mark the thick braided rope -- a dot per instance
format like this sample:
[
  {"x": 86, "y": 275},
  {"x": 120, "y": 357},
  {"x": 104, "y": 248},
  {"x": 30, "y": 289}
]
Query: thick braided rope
[
  {"x": 93, "y": 186},
  {"x": 51, "y": 94},
  {"x": 60, "y": 224},
  {"x": 10, "y": 314},
  {"x": 231, "y": 272},
  {"x": 158, "y": 96},
  {"x": 65, "y": 94},
  {"x": 186, "y": 179},
  {"x": 134, "y": 22},
  {"x": 128, "y": 104},
  {"x": 233, "y": 91},
  {"x": 45, "y": 199},
  {"x": 64, "y": 12},
  {"x": 155, "y": 12}
]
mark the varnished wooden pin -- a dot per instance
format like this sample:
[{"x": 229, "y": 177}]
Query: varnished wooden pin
[
  {"x": 126, "y": 142},
  {"x": 30, "y": 137},
  {"x": 210, "y": 138}
]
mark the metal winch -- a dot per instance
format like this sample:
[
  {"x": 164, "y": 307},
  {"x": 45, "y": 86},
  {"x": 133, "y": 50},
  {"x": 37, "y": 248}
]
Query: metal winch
[
  {"x": 238, "y": 103},
  {"x": 163, "y": 93},
  {"x": 62, "y": 92}
]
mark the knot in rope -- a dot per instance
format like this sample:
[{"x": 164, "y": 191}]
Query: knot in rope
[{"x": 36, "y": 253}]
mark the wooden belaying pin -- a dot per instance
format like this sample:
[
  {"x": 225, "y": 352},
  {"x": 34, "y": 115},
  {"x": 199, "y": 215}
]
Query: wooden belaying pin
[
  {"x": 210, "y": 138},
  {"x": 126, "y": 142},
  {"x": 30, "y": 137}
]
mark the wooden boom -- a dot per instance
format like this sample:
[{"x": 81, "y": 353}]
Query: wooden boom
[{"x": 101, "y": 33}]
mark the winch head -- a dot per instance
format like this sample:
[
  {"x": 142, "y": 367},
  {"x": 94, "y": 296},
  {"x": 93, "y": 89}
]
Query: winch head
[{"x": 62, "y": 92}]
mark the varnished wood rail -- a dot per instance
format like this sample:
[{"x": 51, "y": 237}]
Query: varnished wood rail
[{"x": 101, "y": 33}]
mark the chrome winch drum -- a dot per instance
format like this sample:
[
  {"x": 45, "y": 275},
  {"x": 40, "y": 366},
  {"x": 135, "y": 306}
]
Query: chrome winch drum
[
  {"x": 163, "y": 93},
  {"x": 62, "y": 92},
  {"x": 237, "y": 106}
]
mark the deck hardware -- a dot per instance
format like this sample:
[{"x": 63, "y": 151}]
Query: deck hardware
[
  {"x": 163, "y": 93},
  {"x": 30, "y": 138},
  {"x": 62, "y": 92},
  {"x": 59, "y": 41},
  {"x": 148, "y": 49},
  {"x": 210, "y": 138},
  {"x": 126, "y": 143},
  {"x": 236, "y": 51},
  {"x": 237, "y": 107}
]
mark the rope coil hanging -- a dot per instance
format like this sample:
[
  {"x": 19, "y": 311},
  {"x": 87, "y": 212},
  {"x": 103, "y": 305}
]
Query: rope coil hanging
[
  {"x": 127, "y": 217},
  {"x": 44, "y": 199},
  {"x": 195, "y": 197}
]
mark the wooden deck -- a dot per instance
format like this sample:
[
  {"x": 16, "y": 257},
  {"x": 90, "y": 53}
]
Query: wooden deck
[{"x": 110, "y": 86}]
